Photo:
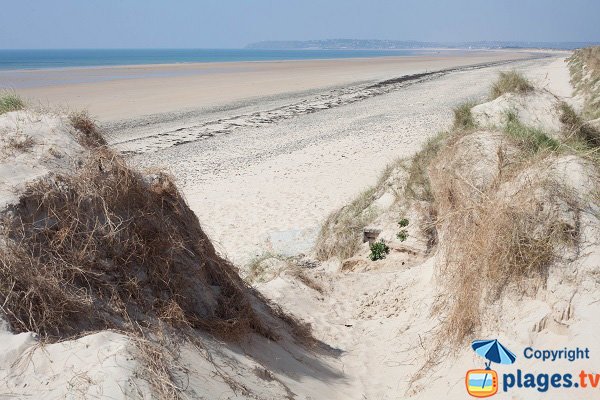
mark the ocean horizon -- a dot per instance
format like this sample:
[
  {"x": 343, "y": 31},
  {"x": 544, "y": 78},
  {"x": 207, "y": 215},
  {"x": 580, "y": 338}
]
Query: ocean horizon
[{"x": 70, "y": 58}]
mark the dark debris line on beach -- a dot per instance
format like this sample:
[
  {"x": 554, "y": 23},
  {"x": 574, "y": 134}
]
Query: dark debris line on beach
[{"x": 331, "y": 99}]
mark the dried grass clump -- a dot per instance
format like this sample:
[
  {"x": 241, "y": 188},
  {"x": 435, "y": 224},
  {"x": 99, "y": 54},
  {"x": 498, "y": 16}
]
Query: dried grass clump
[
  {"x": 494, "y": 242},
  {"x": 20, "y": 143},
  {"x": 86, "y": 126},
  {"x": 492, "y": 246},
  {"x": 576, "y": 128},
  {"x": 107, "y": 247},
  {"x": 463, "y": 118},
  {"x": 158, "y": 367},
  {"x": 10, "y": 101},
  {"x": 510, "y": 82}
]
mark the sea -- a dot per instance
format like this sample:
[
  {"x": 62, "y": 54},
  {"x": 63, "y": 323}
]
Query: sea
[{"x": 51, "y": 59}]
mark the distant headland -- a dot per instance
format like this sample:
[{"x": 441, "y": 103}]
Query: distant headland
[{"x": 376, "y": 44}]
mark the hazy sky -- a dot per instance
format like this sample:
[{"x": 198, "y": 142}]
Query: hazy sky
[{"x": 234, "y": 23}]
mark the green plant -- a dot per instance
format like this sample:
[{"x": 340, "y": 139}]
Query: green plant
[
  {"x": 510, "y": 82},
  {"x": 402, "y": 235},
  {"x": 10, "y": 101},
  {"x": 379, "y": 250},
  {"x": 529, "y": 138}
]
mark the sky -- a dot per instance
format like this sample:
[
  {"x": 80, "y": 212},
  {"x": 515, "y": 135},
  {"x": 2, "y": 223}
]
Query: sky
[{"x": 234, "y": 23}]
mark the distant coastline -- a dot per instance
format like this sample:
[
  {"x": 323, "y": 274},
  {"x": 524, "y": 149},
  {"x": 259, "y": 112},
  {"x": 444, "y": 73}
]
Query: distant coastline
[{"x": 377, "y": 44}]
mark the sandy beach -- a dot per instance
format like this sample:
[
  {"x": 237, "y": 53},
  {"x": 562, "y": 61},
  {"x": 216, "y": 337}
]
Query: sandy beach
[
  {"x": 125, "y": 92},
  {"x": 262, "y": 156},
  {"x": 327, "y": 200},
  {"x": 265, "y": 150},
  {"x": 263, "y": 173}
]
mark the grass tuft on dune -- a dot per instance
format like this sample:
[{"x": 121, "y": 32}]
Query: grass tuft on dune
[
  {"x": 10, "y": 101},
  {"x": 510, "y": 82}
]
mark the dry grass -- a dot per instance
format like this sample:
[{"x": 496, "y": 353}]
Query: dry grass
[
  {"x": 463, "y": 118},
  {"x": 341, "y": 234},
  {"x": 10, "y": 101},
  {"x": 306, "y": 279},
  {"x": 492, "y": 244},
  {"x": 20, "y": 143},
  {"x": 157, "y": 368},
  {"x": 576, "y": 128},
  {"x": 494, "y": 247},
  {"x": 257, "y": 268},
  {"x": 86, "y": 126},
  {"x": 107, "y": 248},
  {"x": 510, "y": 82},
  {"x": 418, "y": 186},
  {"x": 584, "y": 66}
]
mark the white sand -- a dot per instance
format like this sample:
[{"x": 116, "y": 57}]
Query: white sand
[{"x": 259, "y": 184}]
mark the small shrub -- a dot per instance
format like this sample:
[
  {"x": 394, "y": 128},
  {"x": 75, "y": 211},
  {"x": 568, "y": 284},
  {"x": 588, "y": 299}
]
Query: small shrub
[
  {"x": 379, "y": 250},
  {"x": 10, "y": 101},
  {"x": 402, "y": 235},
  {"x": 510, "y": 82},
  {"x": 463, "y": 118}
]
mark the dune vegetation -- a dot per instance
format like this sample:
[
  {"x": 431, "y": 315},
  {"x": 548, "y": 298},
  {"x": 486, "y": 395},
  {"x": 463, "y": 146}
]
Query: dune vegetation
[
  {"x": 10, "y": 101},
  {"x": 108, "y": 247},
  {"x": 510, "y": 82},
  {"x": 584, "y": 65},
  {"x": 473, "y": 186}
]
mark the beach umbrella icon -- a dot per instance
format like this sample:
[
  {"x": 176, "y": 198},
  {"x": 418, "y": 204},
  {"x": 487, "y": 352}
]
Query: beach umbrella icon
[{"x": 493, "y": 351}]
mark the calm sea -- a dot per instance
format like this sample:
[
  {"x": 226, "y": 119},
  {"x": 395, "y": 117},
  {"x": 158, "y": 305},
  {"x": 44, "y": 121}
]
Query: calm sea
[{"x": 44, "y": 59}]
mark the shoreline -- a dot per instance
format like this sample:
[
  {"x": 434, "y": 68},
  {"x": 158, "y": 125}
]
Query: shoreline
[
  {"x": 201, "y": 63},
  {"x": 120, "y": 93}
]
